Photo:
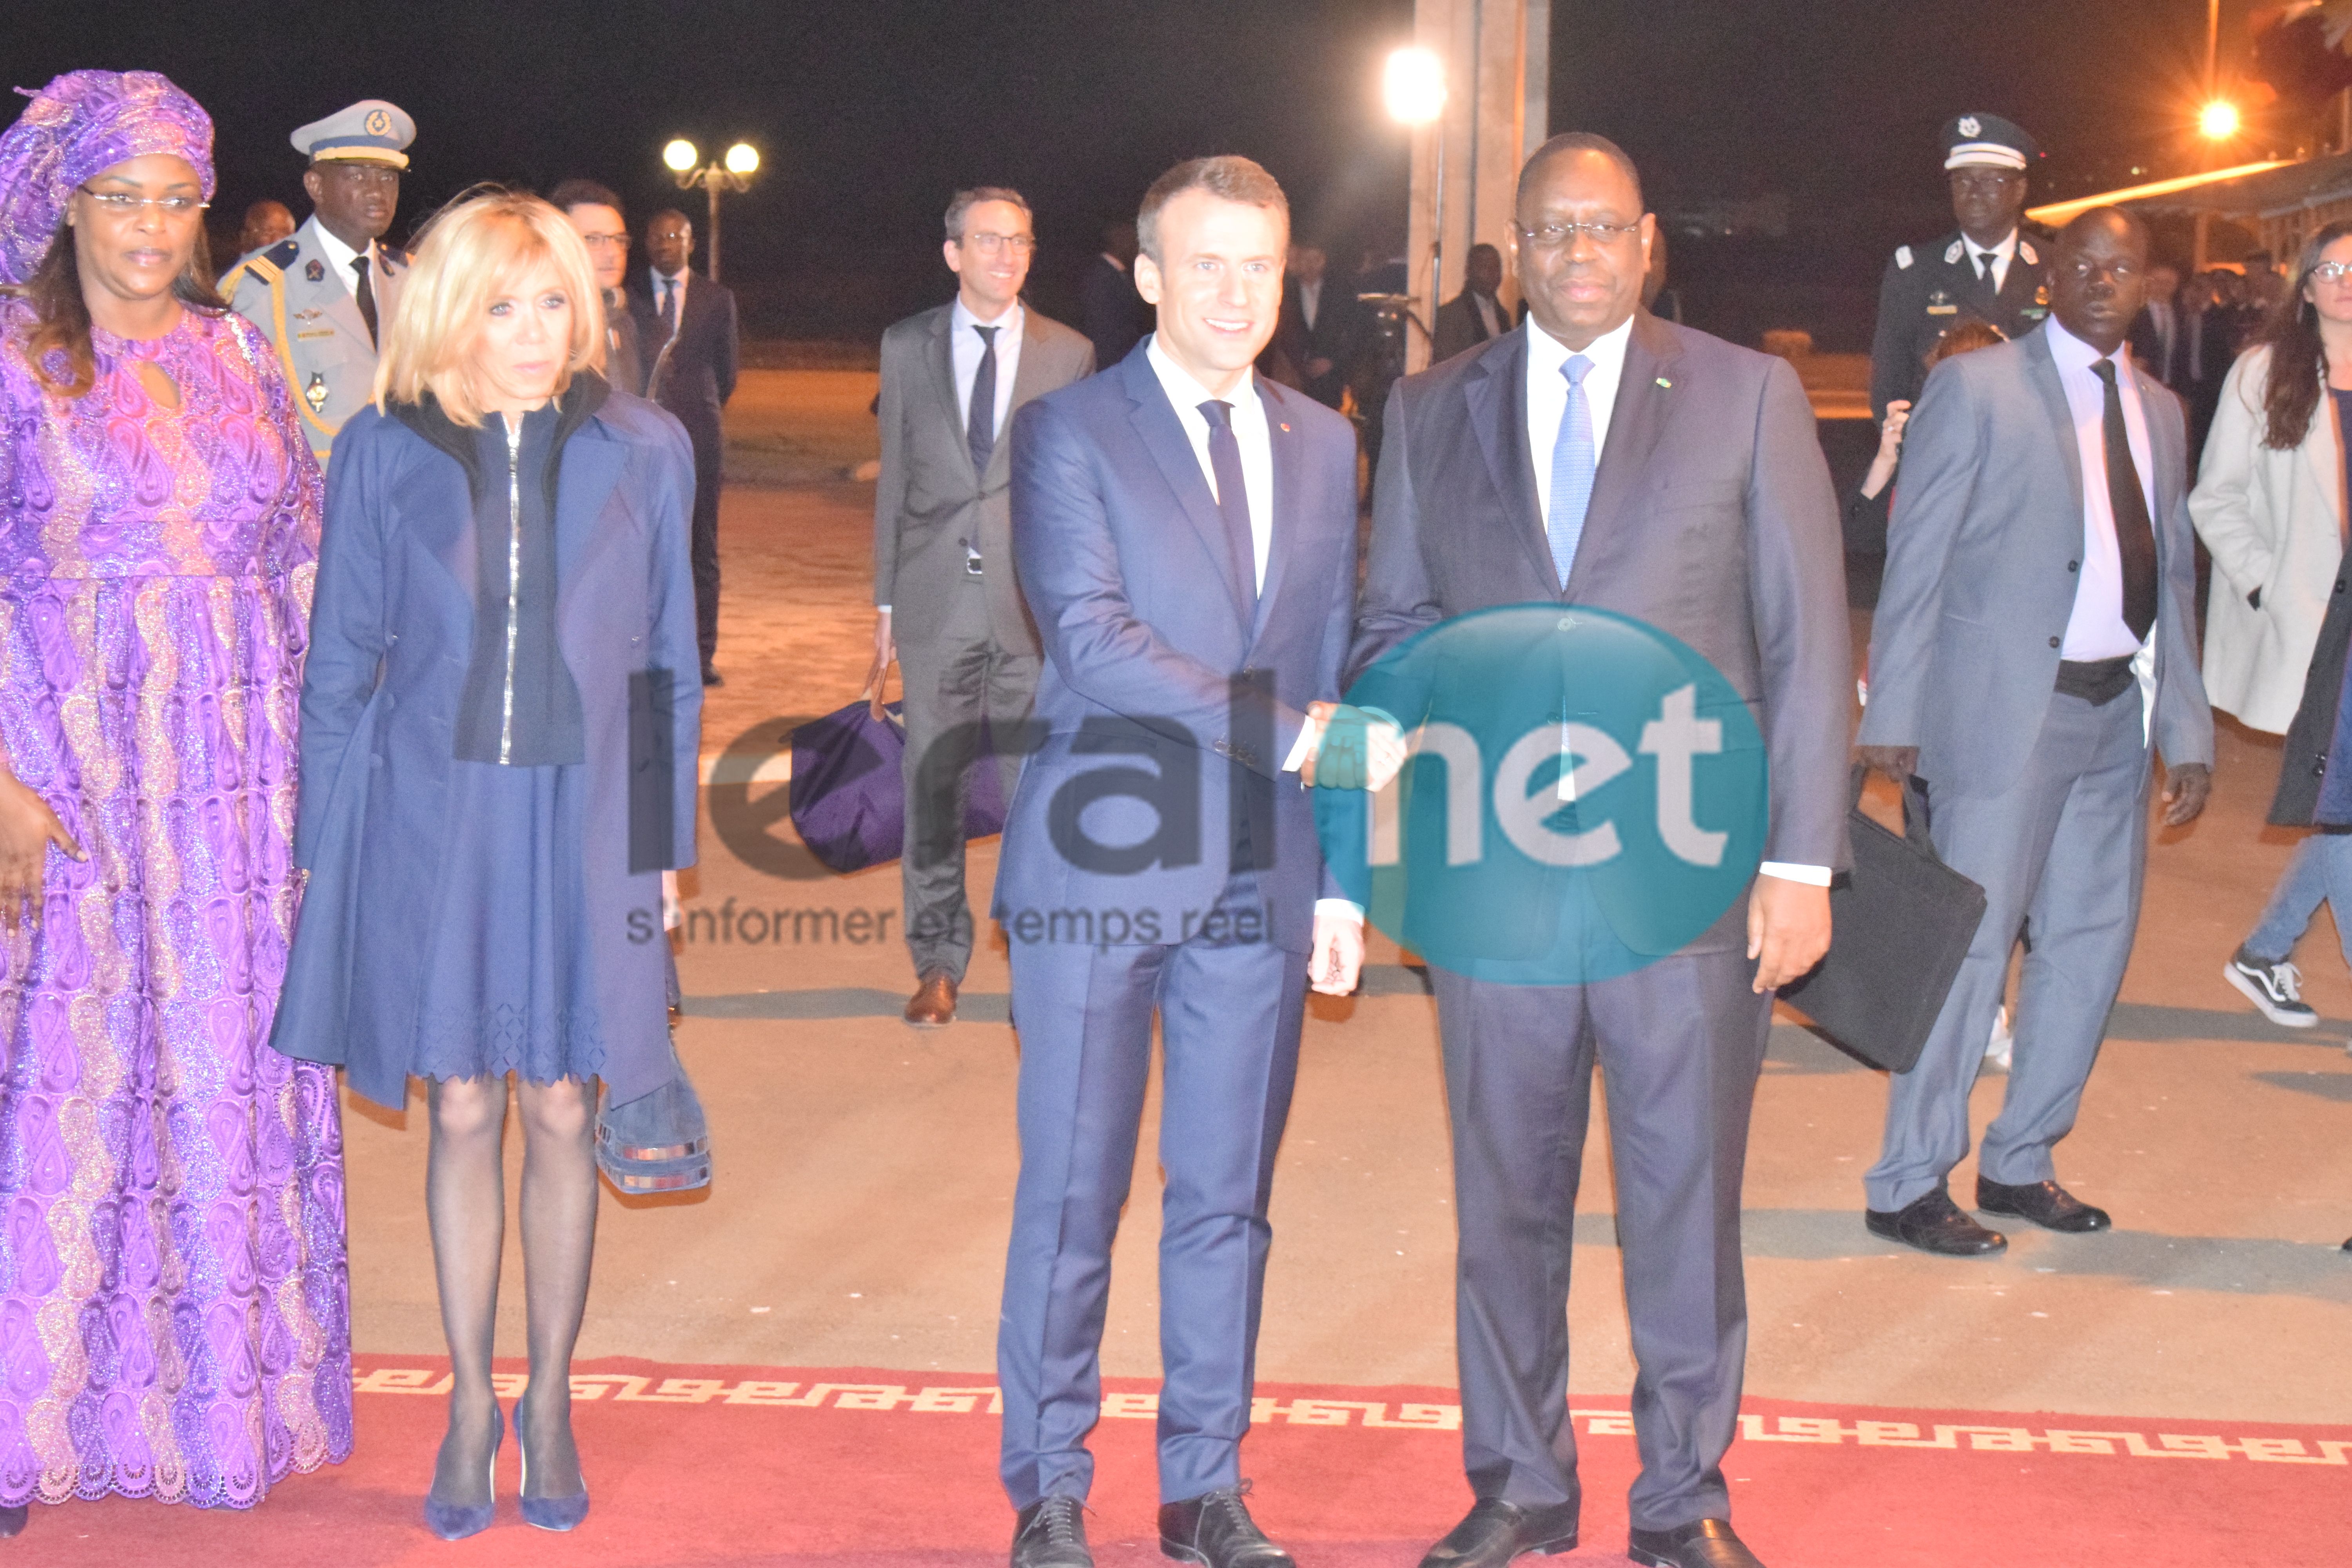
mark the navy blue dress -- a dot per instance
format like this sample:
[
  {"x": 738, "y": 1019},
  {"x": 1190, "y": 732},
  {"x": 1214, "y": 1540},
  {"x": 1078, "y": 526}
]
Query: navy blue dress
[{"x": 462, "y": 916}]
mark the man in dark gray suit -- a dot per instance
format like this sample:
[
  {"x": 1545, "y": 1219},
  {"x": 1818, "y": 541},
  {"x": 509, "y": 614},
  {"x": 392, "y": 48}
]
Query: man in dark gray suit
[
  {"x": 2032, "y": 651},
  {"x": 1709, "y": 515},
  {"x": 686, "y": 336},
  {"x": 947, "y": 606}
]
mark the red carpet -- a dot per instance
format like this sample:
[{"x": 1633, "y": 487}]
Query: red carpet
[{"x": 696, "y": 1466}]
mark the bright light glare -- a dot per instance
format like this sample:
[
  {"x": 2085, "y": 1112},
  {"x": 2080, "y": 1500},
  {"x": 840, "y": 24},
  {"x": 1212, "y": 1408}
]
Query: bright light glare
[
  {"x": 1414, "y": 86},
  {"x": 743, "y": 159},
  {"x": 680, "y": 155},
  {"x": 2219, "y": 119}
]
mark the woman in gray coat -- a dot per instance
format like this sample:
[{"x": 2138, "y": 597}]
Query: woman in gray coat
[{"x": 500, "y": 719}]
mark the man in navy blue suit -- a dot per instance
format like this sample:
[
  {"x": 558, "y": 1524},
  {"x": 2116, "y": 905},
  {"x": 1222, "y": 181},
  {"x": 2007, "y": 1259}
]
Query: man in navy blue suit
[{"x": 1185, "y": 533}]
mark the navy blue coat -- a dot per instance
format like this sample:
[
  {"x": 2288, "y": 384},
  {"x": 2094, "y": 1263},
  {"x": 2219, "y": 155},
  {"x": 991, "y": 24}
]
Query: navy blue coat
[
  {"x": 1166, "y": 708},
  {"x": 391, "y": 640}
]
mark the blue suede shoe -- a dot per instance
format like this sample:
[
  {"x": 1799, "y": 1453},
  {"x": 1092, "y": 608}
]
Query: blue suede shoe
[
  {"x": 455, "y": 1522},
  {"x": 546, "y": 1513}
]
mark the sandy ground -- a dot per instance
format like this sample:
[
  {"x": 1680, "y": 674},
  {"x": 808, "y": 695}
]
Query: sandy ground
[{"x": 865, "y": 1170}]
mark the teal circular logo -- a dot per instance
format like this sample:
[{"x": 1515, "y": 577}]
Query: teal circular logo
[{"x": 1584, "y": 795}]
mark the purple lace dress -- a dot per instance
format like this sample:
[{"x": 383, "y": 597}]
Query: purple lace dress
[{"x": 174, "y": 1318}]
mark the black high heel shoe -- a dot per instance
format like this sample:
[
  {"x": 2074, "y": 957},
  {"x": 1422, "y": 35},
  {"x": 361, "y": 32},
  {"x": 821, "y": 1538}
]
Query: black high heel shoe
[
  {"x": 455, "y": 1522},
  {"x": 12, "y": 1520},
  {"x": 546, "y": 1513}
]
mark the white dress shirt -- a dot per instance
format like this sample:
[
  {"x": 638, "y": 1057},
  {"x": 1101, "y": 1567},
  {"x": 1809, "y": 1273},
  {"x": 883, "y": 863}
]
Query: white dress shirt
[
  {"x": 1250, "y": 432},
  {"x": 340, "y": 258},
  {"x": 660, "y": 279},
  {"x": 1489, "y": 311},
  {"x": 1547, "y": 406},
  {"x": 1998, "y": 255},
  {"x": 1548, "y": 395},
  {"x": 965, "y": 347},
  {"x": 2096, "y": 630}
]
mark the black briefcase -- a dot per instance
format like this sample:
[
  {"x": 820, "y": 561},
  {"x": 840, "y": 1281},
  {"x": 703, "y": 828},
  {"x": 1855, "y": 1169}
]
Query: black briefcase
[{"x": 1900, "y": 929}]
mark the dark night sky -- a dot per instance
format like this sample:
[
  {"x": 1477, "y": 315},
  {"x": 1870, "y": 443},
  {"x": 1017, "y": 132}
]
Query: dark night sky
[{"x": 870, "y": 112}]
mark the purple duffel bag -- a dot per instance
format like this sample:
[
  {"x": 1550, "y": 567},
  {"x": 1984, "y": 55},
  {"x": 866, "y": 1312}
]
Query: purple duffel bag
[{"x": 848, "y": 804}]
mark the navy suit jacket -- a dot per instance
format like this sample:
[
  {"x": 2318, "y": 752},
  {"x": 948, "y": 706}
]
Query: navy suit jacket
[{"x": 1168, "y": 704}]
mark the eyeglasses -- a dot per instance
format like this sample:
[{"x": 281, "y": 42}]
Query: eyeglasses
[
  {"x": 1556, "y": 236},
  {"x": 122, "y": 204},
  {"x": 2332, "y": 271},
  {"x": 992, "y": 243},
  {"x": 606, "y": 241}
]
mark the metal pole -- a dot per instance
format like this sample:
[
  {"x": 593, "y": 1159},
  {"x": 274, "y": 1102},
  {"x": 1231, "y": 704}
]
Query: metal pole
[
  {"x": 711, "y": 180},
  {"x": 1437, "y": 241},
  {"x": 2213, "y": 89}
]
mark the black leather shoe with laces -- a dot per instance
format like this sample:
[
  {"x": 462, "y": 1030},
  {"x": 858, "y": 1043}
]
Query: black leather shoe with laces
[
  {"x": 1934, "y": 1223},
  {"x": 1052, "y": 1533},
  {"x": 2046, "y": 1203},
  {"x": 1215, "y": 1530}
]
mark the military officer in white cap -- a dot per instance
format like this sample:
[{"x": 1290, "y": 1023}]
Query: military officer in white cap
[
  {"x": 1992, "y": 270},
  {"x": 325, "y": 298}
]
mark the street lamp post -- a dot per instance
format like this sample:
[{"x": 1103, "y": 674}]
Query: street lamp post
[
  {"x": 732, "y": 172},
  {"x": 1414, "y": 86}
]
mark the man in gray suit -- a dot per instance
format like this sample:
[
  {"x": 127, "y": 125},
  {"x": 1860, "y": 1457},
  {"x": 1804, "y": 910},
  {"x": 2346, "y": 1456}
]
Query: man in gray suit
[
  {"x": 947, "y": 606},
  {"x": 2033, "y": 648},
  {"x": 1596, "y": 455}
]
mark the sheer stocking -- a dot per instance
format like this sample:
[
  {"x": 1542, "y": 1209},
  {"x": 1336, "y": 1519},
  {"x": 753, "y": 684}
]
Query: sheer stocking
[
  {"x": 465, "y": 1201},
  {"x": 559, "y": 1238}
]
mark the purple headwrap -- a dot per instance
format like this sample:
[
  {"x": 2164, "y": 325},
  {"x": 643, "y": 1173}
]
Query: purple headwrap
[{"x": 80, "y": 125}]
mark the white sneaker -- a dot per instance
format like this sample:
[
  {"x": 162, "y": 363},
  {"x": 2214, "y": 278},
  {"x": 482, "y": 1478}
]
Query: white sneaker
[
  {"x": 1998, "y": 1048},
  {"x": 2275, "y": 986}
]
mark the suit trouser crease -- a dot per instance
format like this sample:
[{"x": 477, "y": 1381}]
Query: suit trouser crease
[
  {"x": 2060, "y": 854},
  {"x": 955, "y": 683},
  {"x": 1680, "y": 1043},
  {"x": 1230, "y": 1017}
]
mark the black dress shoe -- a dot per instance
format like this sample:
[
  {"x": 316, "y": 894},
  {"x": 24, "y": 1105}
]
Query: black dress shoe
[
  {"x": 1709, "y": 1543},
  {"x": 1215, "y": 1530},
  {"x": 2046, "y": 1203},
  {"x": 1495, "y": 1531},
  {"x": 12, "y": 1519},
  {"x": 712, "y": 678},
  {"x": 1935, "y": 1224},
  {"x": 1052, "y": 1533}
]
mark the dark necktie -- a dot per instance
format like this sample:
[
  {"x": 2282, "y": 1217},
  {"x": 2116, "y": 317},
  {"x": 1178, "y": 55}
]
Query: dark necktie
[
  {"x": 2135, "y": 536},
  {"x": 669, "y": 309},
  {"x": 363, "y": 290},
  {"x": 1232, "y": 497},
  {"x": 980, "y": 422}
]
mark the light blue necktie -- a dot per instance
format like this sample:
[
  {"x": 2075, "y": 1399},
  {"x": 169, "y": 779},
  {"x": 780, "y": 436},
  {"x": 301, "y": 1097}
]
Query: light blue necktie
[{"x": 1571, "y": 470}]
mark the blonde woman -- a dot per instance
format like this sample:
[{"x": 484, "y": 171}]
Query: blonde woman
[{"x": 504, "y": 611}]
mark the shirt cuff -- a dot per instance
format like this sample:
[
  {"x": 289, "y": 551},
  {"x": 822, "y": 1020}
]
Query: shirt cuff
[
  {"x": 1346, "y": 909},
  {"x": 1812, "y": 876},
  {"x": 1299, "y": 749},
  {"x": 884, "y": 608}
]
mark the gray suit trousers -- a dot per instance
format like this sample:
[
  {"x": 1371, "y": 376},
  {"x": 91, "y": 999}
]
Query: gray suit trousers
[
  {"x": 957, "y": 679},
  {"x": 1680, "y": 1043},
  {"x": 2060, "y": 856}
]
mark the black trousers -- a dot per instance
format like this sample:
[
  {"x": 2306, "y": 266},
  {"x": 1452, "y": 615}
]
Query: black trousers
[{"x": 709, "y": 447}]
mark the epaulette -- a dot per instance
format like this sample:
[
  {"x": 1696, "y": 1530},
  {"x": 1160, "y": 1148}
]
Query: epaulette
[
  {"x": 1902, "y": 256},
  {"x": 269, "y": 265}
]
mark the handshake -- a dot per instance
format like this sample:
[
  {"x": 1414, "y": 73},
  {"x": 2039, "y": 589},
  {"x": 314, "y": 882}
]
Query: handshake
[{"x": 1352, "y": 748}]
